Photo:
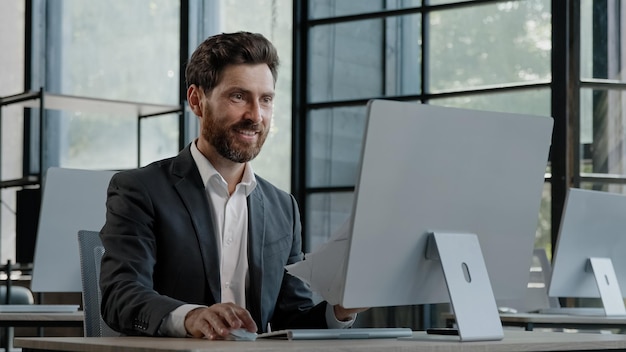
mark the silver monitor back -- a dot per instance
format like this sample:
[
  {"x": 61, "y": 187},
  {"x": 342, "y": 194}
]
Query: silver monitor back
[
  {"x": 427, "y": 168},
  {"x": 593, "y": 225},
  {"x": 72, "y": 200}
]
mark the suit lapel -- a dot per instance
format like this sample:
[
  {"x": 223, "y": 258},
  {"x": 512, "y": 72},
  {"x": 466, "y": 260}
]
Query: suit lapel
[{"x": 192, "y": 193}]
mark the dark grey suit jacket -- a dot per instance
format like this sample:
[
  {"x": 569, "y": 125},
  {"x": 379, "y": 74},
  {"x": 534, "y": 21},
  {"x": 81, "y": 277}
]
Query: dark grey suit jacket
[{"x": 161, "y": 251}]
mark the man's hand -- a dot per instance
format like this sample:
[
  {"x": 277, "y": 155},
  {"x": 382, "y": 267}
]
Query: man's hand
[
  {"x": 344, "y": 314},
  {"x": 216, "y": 321}
]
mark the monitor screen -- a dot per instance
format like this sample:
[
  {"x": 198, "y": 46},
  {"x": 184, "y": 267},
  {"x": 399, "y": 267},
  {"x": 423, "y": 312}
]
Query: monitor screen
[
  {"x": 593, "y": 226},
  {"x": 426, "y": 168}
]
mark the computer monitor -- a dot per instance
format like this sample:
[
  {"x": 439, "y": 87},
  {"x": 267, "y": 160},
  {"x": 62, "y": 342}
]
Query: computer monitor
[
  {"x": 470, "y": 179},
  {"x": 73, "y": 200},
  {"x": 590, "y": 255}
]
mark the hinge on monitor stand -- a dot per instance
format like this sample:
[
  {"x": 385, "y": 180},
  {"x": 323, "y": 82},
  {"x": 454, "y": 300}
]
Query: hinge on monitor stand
[
  {"x": 606, "y": 280},
  {"x": 471, "y": 296}
]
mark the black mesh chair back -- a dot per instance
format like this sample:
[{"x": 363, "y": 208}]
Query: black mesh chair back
[{"x": 91, "y": 251}]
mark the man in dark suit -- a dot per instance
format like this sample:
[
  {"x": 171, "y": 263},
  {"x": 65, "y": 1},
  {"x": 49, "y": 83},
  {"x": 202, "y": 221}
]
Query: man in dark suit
[{"x": 196, "y": 245}]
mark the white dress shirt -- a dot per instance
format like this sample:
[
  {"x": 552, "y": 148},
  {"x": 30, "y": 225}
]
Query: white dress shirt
[{"x": 230, "y": 217}]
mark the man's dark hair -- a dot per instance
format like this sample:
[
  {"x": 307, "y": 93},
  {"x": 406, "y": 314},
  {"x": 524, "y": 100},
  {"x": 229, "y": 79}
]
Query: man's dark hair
[{"x": 216, "y": 52}]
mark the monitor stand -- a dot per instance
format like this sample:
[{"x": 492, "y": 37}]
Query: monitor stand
[
  {"x": 471, "y": 295},
  {"x": 608, "y": 286}
]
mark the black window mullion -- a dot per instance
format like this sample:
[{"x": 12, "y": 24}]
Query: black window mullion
[{"x": 564, "y": 153}]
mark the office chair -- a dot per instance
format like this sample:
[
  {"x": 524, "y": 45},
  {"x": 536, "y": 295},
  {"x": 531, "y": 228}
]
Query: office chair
[
  {"x": 91, "y": 251},
  {"x": 17, "y": 295}
]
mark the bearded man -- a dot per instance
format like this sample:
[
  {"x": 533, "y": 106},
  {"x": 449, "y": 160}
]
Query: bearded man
[{"x": 196, "y": 245}]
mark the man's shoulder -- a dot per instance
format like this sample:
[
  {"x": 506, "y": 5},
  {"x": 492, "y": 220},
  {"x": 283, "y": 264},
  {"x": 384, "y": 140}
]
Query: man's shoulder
[
  {"x": 166, "y": 166},
  {"x": 273, "y": 196},
  {"x": 269, "y": 188},
  {"x": 151, "y": 169}
]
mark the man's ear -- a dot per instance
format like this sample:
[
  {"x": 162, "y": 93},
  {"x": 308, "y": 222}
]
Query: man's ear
[{"x": 194, "y": 97}]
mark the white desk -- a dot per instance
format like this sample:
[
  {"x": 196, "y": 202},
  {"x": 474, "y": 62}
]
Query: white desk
[
  {"x": 530, "y": 321},
  {"x": 38, "y": 320},
  {"x": 513, "y": 341},
  {"x": 73, "y": 319}
]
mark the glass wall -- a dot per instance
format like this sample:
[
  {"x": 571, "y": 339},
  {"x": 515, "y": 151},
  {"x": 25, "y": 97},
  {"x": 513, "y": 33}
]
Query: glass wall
[
  {"x": 601, "y": 145},
  {"x": 122, "y": 51},
  {"x": 494, "y": 56},
  {"x": 125, "y": 50},
  {"x": 542, "y": 57},
  {"x": 600, "y": 141},
  {"x": 273, "y": 19},
  {"x": 12, "y": 24}
]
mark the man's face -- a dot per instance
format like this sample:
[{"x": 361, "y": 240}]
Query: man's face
[{"x": 237, "y": 113}]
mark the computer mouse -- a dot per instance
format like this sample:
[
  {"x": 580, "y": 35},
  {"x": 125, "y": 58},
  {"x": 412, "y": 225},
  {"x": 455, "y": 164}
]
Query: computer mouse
[{"x": 241, "y": 335}]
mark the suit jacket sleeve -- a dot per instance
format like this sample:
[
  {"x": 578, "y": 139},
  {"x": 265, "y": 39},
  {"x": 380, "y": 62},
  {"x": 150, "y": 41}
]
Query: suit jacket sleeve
[{"x": 130, "y": 303}]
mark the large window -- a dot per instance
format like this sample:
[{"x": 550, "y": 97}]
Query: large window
[
  {"x": 602, "y": 116},
  {"x": 544, "y": 57},
  {"x": 273, "y": 19},
  {"x": 491, "y": 56},
  {"x": 111, "y": 50},
  {"x": 12, "y": 25},
  {"x": 120, "y": 51}
]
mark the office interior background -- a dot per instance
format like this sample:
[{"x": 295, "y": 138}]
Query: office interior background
[{"x": 559, "y": 58}]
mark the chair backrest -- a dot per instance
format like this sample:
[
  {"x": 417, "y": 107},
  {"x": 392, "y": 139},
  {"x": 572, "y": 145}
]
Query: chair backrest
[{"x": 91, "y": 251}]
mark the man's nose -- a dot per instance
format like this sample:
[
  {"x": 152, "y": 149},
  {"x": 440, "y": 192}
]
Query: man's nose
[{"x": 255, "y": 113}]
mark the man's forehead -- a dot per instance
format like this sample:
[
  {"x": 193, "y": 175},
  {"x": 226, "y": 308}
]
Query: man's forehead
[{"x": 247, "y": 76}]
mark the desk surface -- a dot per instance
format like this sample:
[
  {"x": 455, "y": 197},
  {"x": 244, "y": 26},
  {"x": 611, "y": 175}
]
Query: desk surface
[
  {"x": 561, "y": 318},
  {"x": 513, "y": 341},
  {"x": 536, "y": 320},
  {"x": 42, "y": 319}
]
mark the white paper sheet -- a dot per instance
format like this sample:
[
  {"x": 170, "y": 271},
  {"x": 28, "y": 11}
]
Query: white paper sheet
[{"x": 324, "y": 268}]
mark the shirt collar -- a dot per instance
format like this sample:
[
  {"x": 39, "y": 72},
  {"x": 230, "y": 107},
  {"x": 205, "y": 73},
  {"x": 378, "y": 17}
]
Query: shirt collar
[{"x": 207, "y": 171}]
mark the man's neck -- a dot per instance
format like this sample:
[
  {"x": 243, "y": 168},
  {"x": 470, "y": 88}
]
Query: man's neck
[{"x": 231, "y": 171}]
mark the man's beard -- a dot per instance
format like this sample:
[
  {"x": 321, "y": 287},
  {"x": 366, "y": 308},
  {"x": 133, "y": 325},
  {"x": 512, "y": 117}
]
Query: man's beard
[{"x": 223, "y": 139}]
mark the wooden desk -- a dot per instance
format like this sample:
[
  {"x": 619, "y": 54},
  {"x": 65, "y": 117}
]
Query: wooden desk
[
  {"x": 513, "y": 341},
  {"x": 530, "y": 321}
]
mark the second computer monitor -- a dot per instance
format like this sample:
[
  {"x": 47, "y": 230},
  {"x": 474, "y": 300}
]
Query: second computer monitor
[{"x": 592, "y": 231}]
